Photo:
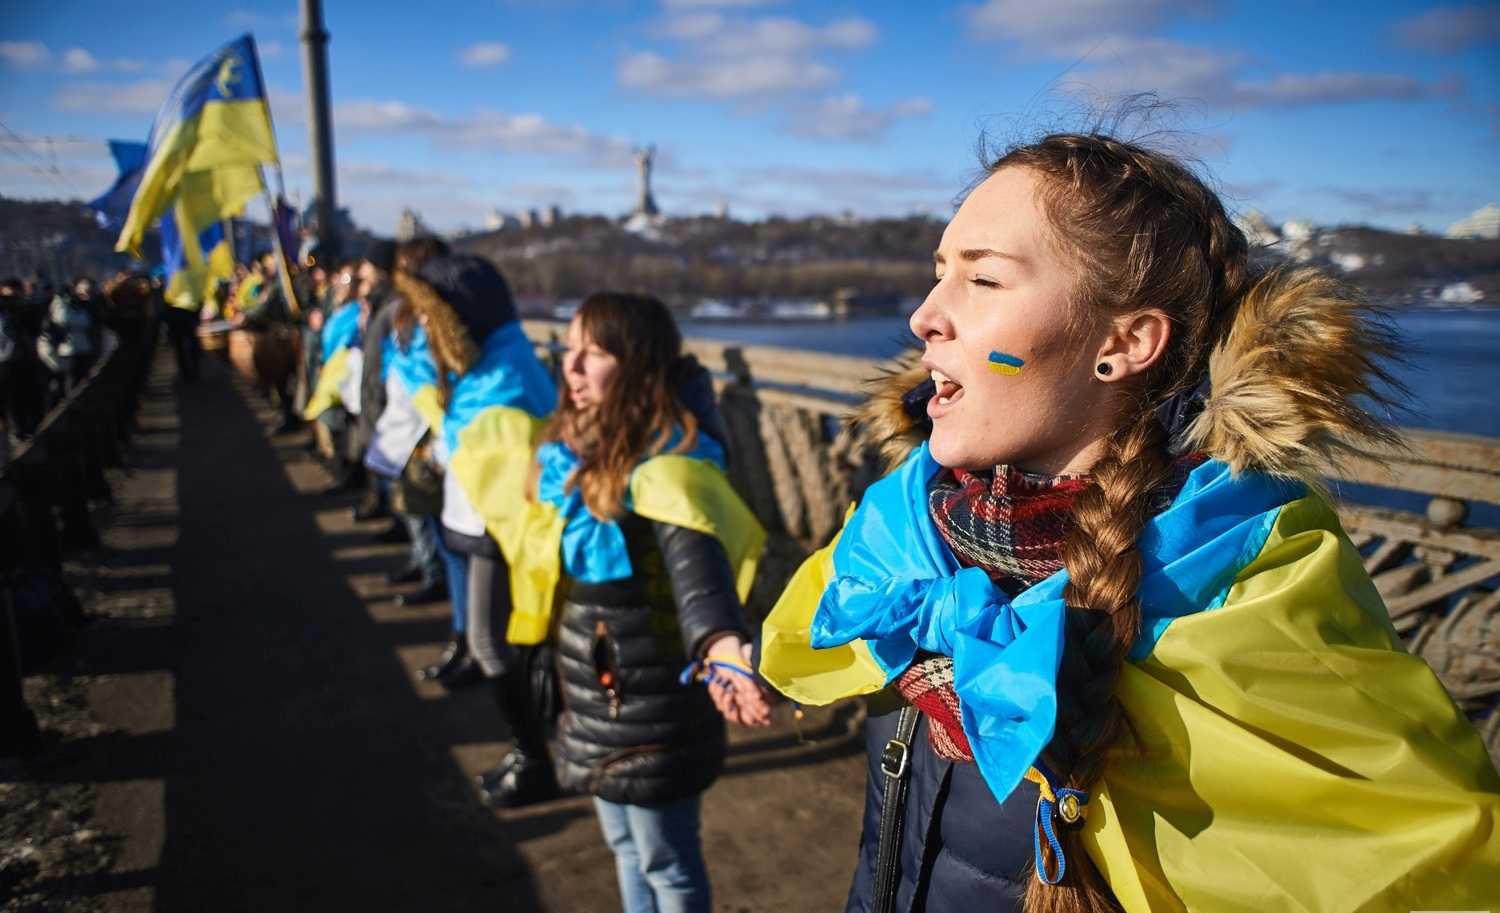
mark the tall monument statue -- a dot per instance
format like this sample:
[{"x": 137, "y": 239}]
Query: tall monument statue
[{"x": 645, "y": 204}]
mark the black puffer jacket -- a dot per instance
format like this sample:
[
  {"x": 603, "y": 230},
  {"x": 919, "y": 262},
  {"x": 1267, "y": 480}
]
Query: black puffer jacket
[{"x": 629, "y": 731}]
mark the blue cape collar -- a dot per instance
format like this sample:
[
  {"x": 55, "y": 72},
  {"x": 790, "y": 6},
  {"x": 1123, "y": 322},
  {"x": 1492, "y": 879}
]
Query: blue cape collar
[
  {"x": 898, "y": 587},
  {"x": 594, "y": 550}
]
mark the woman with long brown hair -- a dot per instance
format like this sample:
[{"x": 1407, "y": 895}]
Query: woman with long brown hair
[
  {"x": 1126, "y": 654},
  {"x": 629, "y": 509}
]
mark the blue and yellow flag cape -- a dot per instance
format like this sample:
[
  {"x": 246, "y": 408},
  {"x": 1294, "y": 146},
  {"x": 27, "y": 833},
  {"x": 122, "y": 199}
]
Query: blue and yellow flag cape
[
  {"x": 340, "y": 334},
  {"x": 493, "y": 414},
  {"x": 206, "y": 145},
  {"x": 400, "y": 428},
  {"x": 556, "y": 533},
  {"x": 1285, "y": 752}
]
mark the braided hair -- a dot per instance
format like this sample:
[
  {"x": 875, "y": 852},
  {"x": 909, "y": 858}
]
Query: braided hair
[{"x": 1145, "y": 232}]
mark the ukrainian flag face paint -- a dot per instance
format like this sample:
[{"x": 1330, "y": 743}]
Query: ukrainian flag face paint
[{"x": 1009, "y": 365}]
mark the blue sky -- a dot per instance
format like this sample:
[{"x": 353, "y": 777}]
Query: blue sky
[{"x": 1382, "y": 113}]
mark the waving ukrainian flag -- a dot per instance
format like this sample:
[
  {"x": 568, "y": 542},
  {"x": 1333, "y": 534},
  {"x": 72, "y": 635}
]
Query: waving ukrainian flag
[
  {"x": 206, "y": 145},
  {"x": 1283, "y": 752}
]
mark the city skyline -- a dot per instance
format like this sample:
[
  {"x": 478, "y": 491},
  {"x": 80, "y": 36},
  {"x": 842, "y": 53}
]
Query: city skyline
[{"x": 1382, "y": 114}]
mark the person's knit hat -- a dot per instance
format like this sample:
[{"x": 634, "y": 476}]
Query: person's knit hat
[
  {"x": 464, "y": 299},
  {"x": 382, "y": 254}
]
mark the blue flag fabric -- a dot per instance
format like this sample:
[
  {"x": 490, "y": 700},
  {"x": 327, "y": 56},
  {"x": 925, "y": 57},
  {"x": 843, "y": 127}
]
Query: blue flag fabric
[
  {"x": 898, "y": 587},
  {"x": 111, "y": 206},
  {"x": 206, "y": 144},
  {"x": 593, "y": 550}
]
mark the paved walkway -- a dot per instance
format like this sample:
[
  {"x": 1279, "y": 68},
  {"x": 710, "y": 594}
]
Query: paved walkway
[{"x": 267, "y": 747}]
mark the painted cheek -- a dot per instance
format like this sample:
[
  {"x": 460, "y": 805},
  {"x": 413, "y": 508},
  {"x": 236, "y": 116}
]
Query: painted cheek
[{"x": 1005, "y": 363}]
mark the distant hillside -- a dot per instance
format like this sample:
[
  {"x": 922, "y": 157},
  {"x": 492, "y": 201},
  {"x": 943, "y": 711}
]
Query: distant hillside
[
  {"x": 59, "y": 240},
  {"x": 1406, "y": 268},
  {"x": 708, "y": 257},
  {"x": 686, "y": 260}
]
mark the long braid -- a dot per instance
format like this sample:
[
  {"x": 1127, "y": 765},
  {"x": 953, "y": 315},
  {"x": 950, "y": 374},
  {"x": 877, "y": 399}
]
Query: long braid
[
  {"x": 1146, "y": 233},
  {"x": 1104, "y": 617}
]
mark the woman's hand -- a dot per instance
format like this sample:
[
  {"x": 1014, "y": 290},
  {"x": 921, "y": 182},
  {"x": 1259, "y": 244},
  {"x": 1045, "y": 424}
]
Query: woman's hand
[{"x": 738, "y": 697}]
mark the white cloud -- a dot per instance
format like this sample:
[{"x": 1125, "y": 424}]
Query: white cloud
[
  {"x": 24, "y": 54},
  {"x": 535, "y": 135},
  {"x": 1076, "y": 23},
  {"x": 1450, "y": 29},
  {"x": 1324, "y": 88},
  {"x": 1175, "y": 71},
  {"x": 1115, "y": 51},
  {"x": 484, "y": 54},
  {"x": 792, "y": 190},
  {"x": 722, "y": 57},
  {"x": 530, "y": 134},
  {"x": 1394, "y": 201},
  {"x": 847, "y": 118},
  {"x": 723, "y": 79},
  {"x": 868, "y": 181},
  {"x": 382, "y": 115},
  {"x": 143, "y": 97},
  {"x": 77, "y": 60}
]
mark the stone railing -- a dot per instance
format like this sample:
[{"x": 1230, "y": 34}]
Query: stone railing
[{"x": 799, "y": 465}]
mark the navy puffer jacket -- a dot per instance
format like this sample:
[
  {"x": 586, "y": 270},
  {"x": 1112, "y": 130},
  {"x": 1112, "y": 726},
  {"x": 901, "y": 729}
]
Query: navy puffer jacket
[{"x": 961, "y": 850}]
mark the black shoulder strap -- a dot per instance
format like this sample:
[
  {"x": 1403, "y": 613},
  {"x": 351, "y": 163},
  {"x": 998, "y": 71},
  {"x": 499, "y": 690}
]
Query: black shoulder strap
[{"x": 895, "y": 763}]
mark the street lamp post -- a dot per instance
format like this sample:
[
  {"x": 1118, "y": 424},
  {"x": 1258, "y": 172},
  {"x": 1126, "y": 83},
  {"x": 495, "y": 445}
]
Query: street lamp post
[{"x": 320, "y": 121}]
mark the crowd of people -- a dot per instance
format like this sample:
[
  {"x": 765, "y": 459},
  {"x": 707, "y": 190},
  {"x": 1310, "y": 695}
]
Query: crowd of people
[
  {"x": 1118, "y": 652},
  {"x": 51, "y": 337}
]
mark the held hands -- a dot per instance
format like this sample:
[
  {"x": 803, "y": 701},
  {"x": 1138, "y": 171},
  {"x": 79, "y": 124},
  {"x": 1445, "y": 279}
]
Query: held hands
[{"x": 738, "y": 697}]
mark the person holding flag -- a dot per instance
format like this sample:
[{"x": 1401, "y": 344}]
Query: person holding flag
[{"x": 201, "y": 164}]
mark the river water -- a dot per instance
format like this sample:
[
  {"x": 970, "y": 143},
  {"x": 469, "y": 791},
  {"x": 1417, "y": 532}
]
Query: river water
[
  {"x": 1451, "y": 368},
  {"x": 1452, "y": 365}
]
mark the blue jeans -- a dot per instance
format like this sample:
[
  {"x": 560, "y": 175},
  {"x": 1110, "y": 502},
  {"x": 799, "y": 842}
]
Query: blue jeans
[
  {"x": 424, "y": 554},
  {"x": 456, "y": 570},
  {"x": 658, "y": 856}
]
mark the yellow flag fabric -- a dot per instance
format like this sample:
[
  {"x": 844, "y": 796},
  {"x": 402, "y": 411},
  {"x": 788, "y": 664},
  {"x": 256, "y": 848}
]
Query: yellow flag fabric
[
  {"x": 326, "y": 393},
  {"x": 197, "y": 280},
  {"x": 683, "y": 491},
  {"x": 491, "y": 464},
  {"x": 1293, "y": 757},
  {"x": 788, "y": 660},
  {"x": 206, "y": 145},
  {"x": 1284, "y": 753},
  {"x": 428, "y": 405}
]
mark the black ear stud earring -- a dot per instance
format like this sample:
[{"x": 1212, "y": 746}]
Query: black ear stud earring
[{"x": 1103, "y": 369}]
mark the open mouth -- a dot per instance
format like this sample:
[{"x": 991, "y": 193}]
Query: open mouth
[{"x": 948, "y": 392}]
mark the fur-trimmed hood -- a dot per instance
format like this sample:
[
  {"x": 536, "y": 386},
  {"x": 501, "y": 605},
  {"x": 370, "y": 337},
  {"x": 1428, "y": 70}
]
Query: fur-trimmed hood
[
  {"x": 1290, "y": 388},
  {"x": 464, "y": 299}
]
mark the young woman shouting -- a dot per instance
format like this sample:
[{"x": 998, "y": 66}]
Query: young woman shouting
[{"x": 1138, "y": 663}]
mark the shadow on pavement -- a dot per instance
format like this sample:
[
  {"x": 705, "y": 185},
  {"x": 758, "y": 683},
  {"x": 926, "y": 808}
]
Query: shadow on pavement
[{"x": 306, "y": 772}]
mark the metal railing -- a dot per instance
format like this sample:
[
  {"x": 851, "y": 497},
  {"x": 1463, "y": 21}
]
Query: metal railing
[{"x": 45, "y": 492}]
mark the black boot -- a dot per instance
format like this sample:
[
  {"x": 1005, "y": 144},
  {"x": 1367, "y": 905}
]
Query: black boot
[
  {"x": 525, "y": 775},
  {"x": 453, "y": 654},
  {"x": 465, "y": 672}
]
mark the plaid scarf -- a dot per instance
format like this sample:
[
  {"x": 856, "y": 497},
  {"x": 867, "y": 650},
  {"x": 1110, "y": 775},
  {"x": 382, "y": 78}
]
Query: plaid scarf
[{"x": 1011, "y": 523}]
